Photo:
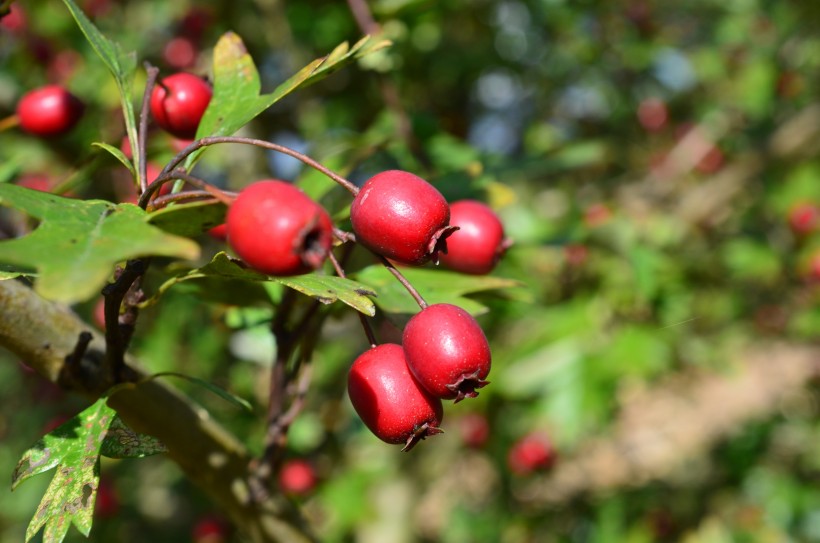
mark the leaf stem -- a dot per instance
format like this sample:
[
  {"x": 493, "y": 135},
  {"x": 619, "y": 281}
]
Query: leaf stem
[
  {"x": 141, "y": 157},
  {"x": 368, "y": 330},
  {"x": 205, "y": 142}
]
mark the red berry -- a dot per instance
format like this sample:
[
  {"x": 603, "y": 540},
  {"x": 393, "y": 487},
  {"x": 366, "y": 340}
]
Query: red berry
[
  {"x": 804, "y": 218},
  {"x": 532, "y": 452},
  {"x": 388, "y": 400},
  {"x": 475, "y": 430},
  {"x": 107, "y": 504},
  {"x": 179, "y": 109},
  {"x": 219, "y": 232},
  {"x": 49, "y": 111},
  {"x": 180, "y": 53},
  {"x": 297, "y": 477},
  {"x": 210, "y": 530},
  {"x": 479, "y": 243},
  {"x": 98, "y": 313},
  {"x": 278, "y": 230},
  {"x": 596, "y": 215},
  {"x": 37, "y": 181},
  {"x": 652, "y": 114},
  {"x": 447, "y": 352},
  {"x": 402, "y": 217}
]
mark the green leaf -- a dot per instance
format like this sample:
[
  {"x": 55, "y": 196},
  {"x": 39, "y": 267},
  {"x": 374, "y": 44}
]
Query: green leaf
[
  {"x": 122, "y": 66},
  {"x": 122, "y": 442},
  {"x": 327, "y": 289},
  {"x": 189, "y": 220},
  {"x": 116, "y": 153},
  {"x": 78, "y": 243},
  {"x": 237, "y": 100},
  {"x": 435, "y": 286},
  {"x": 73, "y": 449},
  {"x": 219, "y": 391}
]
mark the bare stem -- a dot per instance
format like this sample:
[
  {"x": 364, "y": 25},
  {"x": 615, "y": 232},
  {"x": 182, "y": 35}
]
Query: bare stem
[
  {"x": 140, "y": 155},
  {"x": 205, "y": 142},
  {"x": 365, "y": 20},
  {"x": 219, "y": 194},
  {"x": 200, "y": 195},
  {"x": 118, "y": 331},
  {"x": 368, "y": 330},
  {"x": 405, "y": 283},
  {"x": 9, "y": 122}
]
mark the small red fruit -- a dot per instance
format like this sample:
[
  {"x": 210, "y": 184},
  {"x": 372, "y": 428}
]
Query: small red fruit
[
  {"x": 278, "y": 230},
  {"x": 297, "y": 477},
  {"x": 402, "y": 217},
  {"x": 531, "y": 453},
  {"x": 447, "y": 352},
  {"x": 219, "y": 232},
  {"x": 37, "y": 181},
  {"x": 180, "y": 53},
  {"x": 479, "y": 243},
  {"x": 652, "y": 114},
  {"x": 179, "y": 109},
  {"x": 475, "y": 430},
  {"x": 107, "y": 504},
  {"x": 804, "y": 218},
  {"x": 389, "y": 401},
  {"x": 49, "y": 111},
  {"x": 210, "y": 529}
]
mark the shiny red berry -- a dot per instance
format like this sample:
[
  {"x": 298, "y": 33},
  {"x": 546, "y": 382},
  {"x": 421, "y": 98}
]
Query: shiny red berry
[
  {"x": 297, "y": 477},
  {"x": 804, "y": 218},
  {"x": 49, "y": 111},
  {"x": 447, "y": 352},
  {"x": 402, "y": 217},
  {"x": 278, "y": 230},
  {"x": 533, "y": 452},
  {"x": 389, "y": 401},
  {"x": 479, "y": 243},
  {"x": 178, "y": 103}
]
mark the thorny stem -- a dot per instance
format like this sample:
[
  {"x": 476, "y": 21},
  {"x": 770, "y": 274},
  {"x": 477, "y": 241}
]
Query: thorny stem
[
  {"x": 142, "y": 157},
  {"x": 368, "y": 330},
  {"x": 118, "y": 330},
  {"x": 205, "y": 142},
  {"x": 405, "y": 283},
  {"x": 219, "y": 194}
]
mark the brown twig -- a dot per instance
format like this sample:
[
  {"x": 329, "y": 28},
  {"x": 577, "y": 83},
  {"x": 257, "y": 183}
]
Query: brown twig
[
  {"x": 118, "y": 331},
  {"x": 205, "y": 142},
  {"x": 219, "y": 194}
]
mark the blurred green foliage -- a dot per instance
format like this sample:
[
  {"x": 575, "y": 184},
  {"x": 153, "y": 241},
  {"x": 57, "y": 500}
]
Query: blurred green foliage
[{"x": 644, "y": 156}]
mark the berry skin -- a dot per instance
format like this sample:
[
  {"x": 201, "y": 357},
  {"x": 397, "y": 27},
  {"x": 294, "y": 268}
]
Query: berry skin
[
  {"x": 402, "y": 217},
  {"x": 278, "y": 230},
  {"x": 297, "y": 477},
  {"x": 479, "y": 243},
  {"x": 49, "y": 111},
  {"x": 533, "y": 452},
  {"x": 475, "y": 430},
  {"x": 804, "y": 218},
  {"x": 210, "y": 529},
  {"x": 447, "y": 352},
  {"x": 389, "y": 401},
  {"x": 179, "y": 112}
]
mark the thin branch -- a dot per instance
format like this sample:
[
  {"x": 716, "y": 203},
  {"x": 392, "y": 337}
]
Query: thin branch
[
  {"x": 368, "y": 330},
  {"x": 405, "y": 283},
  {"x": 200, "y": 195},
  {"x": 142, "y": 157},
  {"x": 219, "y": 194},
  {"x": 365, "y": 20},
  {"x": 117, "y": 334},
  {"x": 205, "y": 142}
]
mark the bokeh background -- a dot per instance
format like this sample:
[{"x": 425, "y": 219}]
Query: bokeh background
[{"x": 656, "y": 163}]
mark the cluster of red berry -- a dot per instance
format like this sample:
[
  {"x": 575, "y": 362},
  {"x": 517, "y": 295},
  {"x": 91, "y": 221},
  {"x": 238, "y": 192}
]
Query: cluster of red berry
[{"x": 396, "y": 389}]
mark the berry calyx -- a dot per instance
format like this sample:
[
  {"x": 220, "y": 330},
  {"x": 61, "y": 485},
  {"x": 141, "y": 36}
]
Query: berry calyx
[
  {"x": 402, "y": 217},
  {"x": 278, "y": 230},
  {"x": 178, "y": 103},
  {"x": 447, "y": 352},
  {"x": 49, "y": 111},
  {"x": 389, "y": 400},
  {"x": 479, "y": 243}
]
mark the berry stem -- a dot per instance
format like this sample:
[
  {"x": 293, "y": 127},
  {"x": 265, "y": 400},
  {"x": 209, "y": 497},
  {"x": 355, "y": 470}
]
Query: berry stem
[
  {"x": 403, "y": 280},
  {"x": 205, "y": 142},
  {"x": 368, "y": 330},
  {"x": 140, "y": 156},
  {"x": 9, "y": 122},
  {"x": 200, "y": 195}
]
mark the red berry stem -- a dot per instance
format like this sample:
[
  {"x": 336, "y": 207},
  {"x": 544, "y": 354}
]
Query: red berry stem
[
  {"x": 368, "y": 330},
  {"x": 405, "y": 283},
  {"x": 164, "y": 177},
  {"x": 205, "y": 142},
  {"x": 9, "y": 122},
  {"x": 141, "y": 157}
]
